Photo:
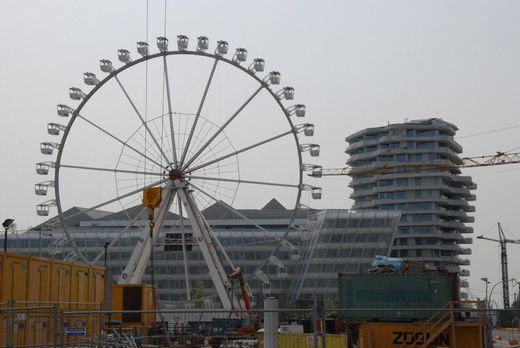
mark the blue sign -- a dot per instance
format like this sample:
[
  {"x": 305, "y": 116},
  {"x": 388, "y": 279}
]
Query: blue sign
[{"x": 75, "y": 331}]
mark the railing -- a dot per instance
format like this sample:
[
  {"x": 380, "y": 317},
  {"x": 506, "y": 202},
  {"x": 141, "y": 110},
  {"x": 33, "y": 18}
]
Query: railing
[{"x": 44, "y": 324}]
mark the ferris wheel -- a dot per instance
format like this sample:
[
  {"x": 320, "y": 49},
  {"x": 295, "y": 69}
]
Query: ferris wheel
[{"x": 209, "y": 130}]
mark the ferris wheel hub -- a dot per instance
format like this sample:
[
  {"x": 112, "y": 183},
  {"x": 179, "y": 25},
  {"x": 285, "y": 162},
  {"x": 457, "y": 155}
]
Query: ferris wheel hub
[{"x": 174, "y": 174}]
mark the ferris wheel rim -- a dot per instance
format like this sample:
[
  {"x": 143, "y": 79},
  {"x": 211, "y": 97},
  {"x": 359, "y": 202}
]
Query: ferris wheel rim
[{"x": 110, "y": 76}]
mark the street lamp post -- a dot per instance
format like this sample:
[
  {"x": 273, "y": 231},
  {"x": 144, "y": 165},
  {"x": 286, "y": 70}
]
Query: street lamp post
[
  {"x": 6, "y": 225},
  {"x": 487, "y": 282}
]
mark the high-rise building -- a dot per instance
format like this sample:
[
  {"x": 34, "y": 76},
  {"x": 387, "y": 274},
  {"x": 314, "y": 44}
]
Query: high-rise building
[{"x": 412, "y": 167}]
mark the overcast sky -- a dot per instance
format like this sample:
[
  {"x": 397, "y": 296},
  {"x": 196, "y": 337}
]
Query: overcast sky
[{"x": 355, "y": 64}]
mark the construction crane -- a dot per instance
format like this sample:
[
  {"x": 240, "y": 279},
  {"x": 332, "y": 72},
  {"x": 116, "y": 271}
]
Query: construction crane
[
  {"x": 390, "y": 167},
  {"x": 503, "y": 260}
]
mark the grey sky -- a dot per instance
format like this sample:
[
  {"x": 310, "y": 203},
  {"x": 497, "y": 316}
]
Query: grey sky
[{"x": 355, "y": 64}]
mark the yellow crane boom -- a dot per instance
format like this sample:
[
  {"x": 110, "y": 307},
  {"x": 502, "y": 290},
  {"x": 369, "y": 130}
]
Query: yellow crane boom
[{"x": 500, "y": 158}]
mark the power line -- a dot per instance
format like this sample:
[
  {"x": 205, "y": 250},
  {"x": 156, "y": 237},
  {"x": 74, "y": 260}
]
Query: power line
[{"x": 489, "y": 132}]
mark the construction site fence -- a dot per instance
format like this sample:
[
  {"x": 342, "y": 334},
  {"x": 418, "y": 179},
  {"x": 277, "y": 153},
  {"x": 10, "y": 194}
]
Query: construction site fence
[{"x": 80, "y": 324}]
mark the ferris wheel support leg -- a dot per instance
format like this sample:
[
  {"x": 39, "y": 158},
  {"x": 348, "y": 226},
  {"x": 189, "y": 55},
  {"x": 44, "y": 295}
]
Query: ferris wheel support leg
[
  {"x": 202, "y": 234},
  {"x": 134, "y": 270}
]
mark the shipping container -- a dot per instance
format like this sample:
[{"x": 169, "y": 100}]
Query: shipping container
[
  {"x": 307, "y": 341},
  {"x": 39, "y": 280},
  {"x": 395, "y": 291},
  {"x": 42, "y": 281},
  {"x": 133, "y": 297},
  {"x": 385, "y": 335},
  {"x": 508, "y": 318},
  {"x": 61, "y": 276}
]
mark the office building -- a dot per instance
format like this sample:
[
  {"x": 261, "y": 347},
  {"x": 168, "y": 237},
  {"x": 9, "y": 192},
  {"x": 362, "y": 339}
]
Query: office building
[{"x": 325, "y": 243}]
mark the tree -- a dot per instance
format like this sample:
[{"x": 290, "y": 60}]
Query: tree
[{"x": 199, "y": 292}]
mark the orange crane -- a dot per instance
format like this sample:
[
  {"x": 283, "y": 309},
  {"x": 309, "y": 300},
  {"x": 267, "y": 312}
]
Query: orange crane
[
  {"x": 249, "y": 325},
  {"x": 500, "y": 158}
]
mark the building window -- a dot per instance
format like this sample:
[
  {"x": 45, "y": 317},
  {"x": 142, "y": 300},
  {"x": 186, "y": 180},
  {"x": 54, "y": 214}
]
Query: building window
[
  {"x": 427, "y": 145},
  {"x": 361, "y": 238},
  {"x": 353, "y": 222},
  {"x": 418, "y": 194},
  {"x": 366, "y": 222},
  {"x": 400, "y": 194},
  {"x": 386, "y": 182},
  {"x": 410, "y": 132},
  {"x": 400, "y": 158},
  {"x": 404, "y": 229},
  {"x": 371, "y": 148},
  {"x": 340, "y": 223},
  {"x": 395, "y": 145},
  {"x": 418, "y": 157},
  {"x": 387, "y": 207},
  {"x": 418, "y": 181},
  {"x": 332, "y": 253},
  {"x": 386, "y": 195},
  {"x": 385, "y": 158},
  {"x": 348, "y": 238},
  {"x": 427, "y": 133},
  {"x": 384, "y": 146},
  {"x": 379, "y": 222},
  {"x": 432, "y": 156},
  {"x": 373, "y": 237},
  {"x": 401, "y": 182}
]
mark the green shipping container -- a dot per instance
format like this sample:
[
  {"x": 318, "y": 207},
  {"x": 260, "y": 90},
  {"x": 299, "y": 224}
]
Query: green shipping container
[
  {"x": 507, "y": 318},
  {"x": 395, "y": 291}
]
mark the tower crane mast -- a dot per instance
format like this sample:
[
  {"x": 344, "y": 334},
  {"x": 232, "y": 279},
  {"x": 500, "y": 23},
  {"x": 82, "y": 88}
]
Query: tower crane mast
[{"x": 503, "y": 260}]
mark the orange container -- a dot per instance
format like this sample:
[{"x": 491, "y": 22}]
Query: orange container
[{"x": 39, "y": 280}]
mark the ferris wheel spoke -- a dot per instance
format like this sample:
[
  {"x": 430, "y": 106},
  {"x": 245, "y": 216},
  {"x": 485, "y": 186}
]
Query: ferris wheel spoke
[
  {"x": 197, "y": 116},
  {"x": 142, "y": 120},
  {"x": 119, "y": 140},
  {"x": 191, "y": 170},
  {"x": 120, "y": 234},
  {"x": 170, "y": 112},
  {"x": 236, "y": 212},
  {"x": 109, "y": 170},
  {"x": 221, "y": 129},
  {"x": 115, "y": 199},
  {"x": 184, "y": 251},
  {"x": 240, "y": 181}
]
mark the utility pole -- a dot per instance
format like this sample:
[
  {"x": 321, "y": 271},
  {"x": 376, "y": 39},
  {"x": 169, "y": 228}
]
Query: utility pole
[{"x": 503, "y": 261}]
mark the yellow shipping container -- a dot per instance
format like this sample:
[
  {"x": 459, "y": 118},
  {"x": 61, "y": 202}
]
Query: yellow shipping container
[
  {"x": 29, "y": 278},
  {"x": 14, "y": 277},
  {"x": 307, "y": 341},
  {"x": 61, "y": 280},
  {"x": 39, "y": 280},
  {"x": 133, "y": 297},
  {"x": 387, "y": 334}
]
